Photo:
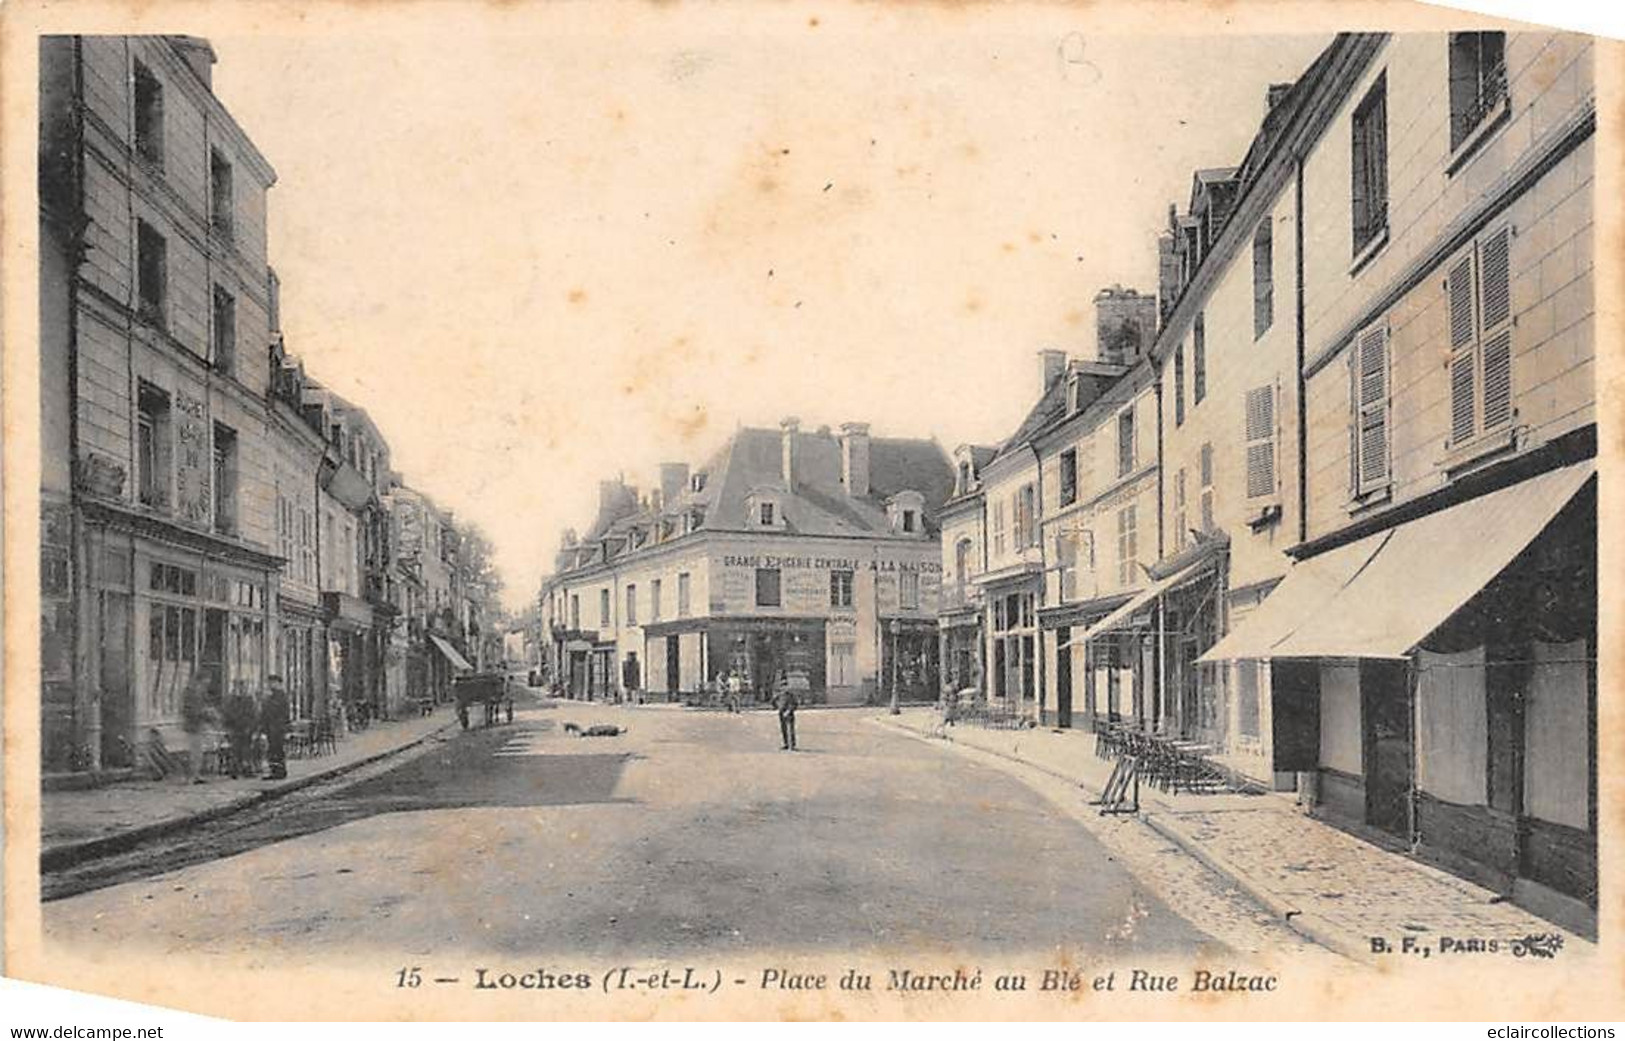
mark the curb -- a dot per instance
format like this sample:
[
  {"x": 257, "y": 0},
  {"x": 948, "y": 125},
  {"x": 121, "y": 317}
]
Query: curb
[
  {"x": 71, "y": 854},
  {"x": 1309, "y": 925}
]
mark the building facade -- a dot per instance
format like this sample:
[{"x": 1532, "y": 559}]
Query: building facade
[{"x": 810, "y": 555}]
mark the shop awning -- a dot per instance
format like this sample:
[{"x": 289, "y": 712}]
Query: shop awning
[
  {"x": 1381, "y": 596},
  {"x": 1120, "y": 618},
  {"x": 457, "y": 660}
]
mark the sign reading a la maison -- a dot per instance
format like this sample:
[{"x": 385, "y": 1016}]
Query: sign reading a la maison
[{"x": 831, "y": 563}]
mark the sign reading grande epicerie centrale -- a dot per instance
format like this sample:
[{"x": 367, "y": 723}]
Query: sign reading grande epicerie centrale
[{"x": 830, "y": 563}]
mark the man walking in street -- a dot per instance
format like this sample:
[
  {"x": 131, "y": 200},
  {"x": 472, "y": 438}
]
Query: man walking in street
[
  {"x": 274, "y": 723},
  {"x": 196, "y": 715},
  {"x": 785, "y": 702}
]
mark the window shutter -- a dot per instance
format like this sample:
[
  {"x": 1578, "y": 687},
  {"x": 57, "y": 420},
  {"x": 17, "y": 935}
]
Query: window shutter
[
  {"x": 1459, "y": 287},
  {"x": 1354, "y": 418},
  {"x": 1373, "y": 391},
  {"x": 1461, "y": 398},
  {"x": 1495, "y": 293},
  {"x": 1260, "y": 429},
  {"x": 1463, "y": 390}
]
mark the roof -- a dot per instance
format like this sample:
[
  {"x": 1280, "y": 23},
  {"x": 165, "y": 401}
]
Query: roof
[{"x": 1050, "y": 406}]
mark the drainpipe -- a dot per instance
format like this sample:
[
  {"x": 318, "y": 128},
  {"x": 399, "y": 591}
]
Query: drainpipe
[
  {"x": 1043, "y": 577},
  {"x": 1303, "y": 408},
  {"x": 1158, "y": 689}
]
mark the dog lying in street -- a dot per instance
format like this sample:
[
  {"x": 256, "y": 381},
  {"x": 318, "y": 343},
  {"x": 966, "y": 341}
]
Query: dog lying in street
[{"x": 596, "y": 730}]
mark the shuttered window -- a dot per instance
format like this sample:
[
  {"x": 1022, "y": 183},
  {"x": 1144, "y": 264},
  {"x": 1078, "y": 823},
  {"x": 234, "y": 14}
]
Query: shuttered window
[
  {"x": 1368, "y": 396},
  {"x": 1260, "y": 440},
  {"x": 1479, "y": 293},
  {"x": 1199, "y": 359},
  {"x": 1127, "y": 548},
  {"x": 1263, "y": 279},
  {"x": 1207, "y": 486},
  {"x": 1179, "y": 385},
  {"x": 1181, "y": 534}
]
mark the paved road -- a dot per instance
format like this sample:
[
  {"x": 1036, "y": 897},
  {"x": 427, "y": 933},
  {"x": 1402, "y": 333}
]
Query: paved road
[{"x": 692, "y": 833}]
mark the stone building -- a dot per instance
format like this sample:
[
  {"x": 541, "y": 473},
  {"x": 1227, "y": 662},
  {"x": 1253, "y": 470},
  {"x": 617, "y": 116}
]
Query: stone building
[
  {"x": 158, "y": 496},
  {"x": 814, "y": 554}
]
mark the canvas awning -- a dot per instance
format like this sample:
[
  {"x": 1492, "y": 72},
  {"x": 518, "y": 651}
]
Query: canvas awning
[
  {"x": 1381, "y": 596},
  {"x": 1119, "y": 618},
  {"x": 457, "y": 660}
]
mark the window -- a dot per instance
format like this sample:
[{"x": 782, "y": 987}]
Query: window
[
  {"x": 1199, "y": 359},
  {"x": 1370, "y": 175},
  {"x": 1478, "y": 82},
  {"x": 1066, "y": 550},
  {"x": 654, "y": 600},
  {"x": 1368, "y": 402},
  {"x": 153, "y": 448},
  {"x": 632, "y": 605},
  {"x": 1125, "y": 442},
  {"x": 682, "y": 595},
  {"x": 962, "y": 562},
  {"x": 766, "y": 514},
  {"x": 1179, "y": 384},
  {"x": 767, "y": 587},
  {"x": 910, "y": 522},
  {"x": 1026, "y": 518},
  {"x": 964, "y": 477},
  {"x": 225, "y": 330},
  {"x": 152, "y": 275},
  {"x": 307, "y": 546},
  {"x": 908, "y": 590},
  {"x": 220, "y": 204},
  {"x": 1479, "y": 293},
  {"x": 1207, "y": 487},
  {"x": 1263, "y": 278},
  {"x": 1260, "y": 441},
  {"x": 840, "y": 589},
  {"x": 603, "y": 607},
  {"x": 225, "y": 479},
  {"x": 575, "y": 610},
  {"x": 1127, "y": 550},
  {"x": 1069, "y": 477},
  {"x": 149, "y": 116},
  {"x": 998, "y": 528},
  {"x": 1181, "y": 534}
]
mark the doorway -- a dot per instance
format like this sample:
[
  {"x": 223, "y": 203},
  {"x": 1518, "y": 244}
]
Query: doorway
[
  {"x": 117, "y": 699},
  {"x": 1385, "y": 706},
  {"x": 1063, "y": 676},
  {"x": 213, "y": 657},
  {"x": 674, "y": 662}
]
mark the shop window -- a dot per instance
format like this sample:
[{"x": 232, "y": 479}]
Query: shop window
[{"x": 1369, "y": 181}]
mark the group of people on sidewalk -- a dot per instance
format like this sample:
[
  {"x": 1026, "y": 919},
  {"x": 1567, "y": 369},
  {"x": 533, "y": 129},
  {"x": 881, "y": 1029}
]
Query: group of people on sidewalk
[{"x": 245, "y": 718}]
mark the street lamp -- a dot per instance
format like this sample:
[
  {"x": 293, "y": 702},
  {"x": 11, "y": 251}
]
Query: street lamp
[{"x": 896, "y": 628}]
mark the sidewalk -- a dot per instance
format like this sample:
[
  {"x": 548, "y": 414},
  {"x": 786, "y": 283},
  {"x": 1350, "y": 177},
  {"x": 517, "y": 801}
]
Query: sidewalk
[
  {"x": 1324, "y": 883},
  {"x": 77, "y": 825}
]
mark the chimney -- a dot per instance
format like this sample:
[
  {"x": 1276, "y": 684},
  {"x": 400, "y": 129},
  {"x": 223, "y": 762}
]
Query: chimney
[
  {"x": 609, "y": 496},
  {"x": 1125, "y": 322},
  {"x": 1052, "y": 364},
  {"x": 1276, "y": 92},
  {"x": 789, "y": 425},
  {"x": 198, "y": 55},
  {"x": 855, "y": 459},
  {"x": 673, "y": 481}
]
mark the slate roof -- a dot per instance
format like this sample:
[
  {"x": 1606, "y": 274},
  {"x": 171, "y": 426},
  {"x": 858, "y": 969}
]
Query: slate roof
[{"x": 1051, "y": 406}]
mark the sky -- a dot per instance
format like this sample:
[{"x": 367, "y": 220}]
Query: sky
[{"x": 542, "y": 249}]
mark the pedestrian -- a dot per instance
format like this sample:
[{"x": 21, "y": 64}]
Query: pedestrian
[
  {"x": 241, "y": 720},
  {"x": 274, "y": 723},
  {"x": 196, "y": 716},
  {"x": 786, "y": 703},
  {"x": 736, "y": 686}
]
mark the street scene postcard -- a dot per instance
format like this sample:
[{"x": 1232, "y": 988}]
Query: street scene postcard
[{"x": 830, "y": 510}]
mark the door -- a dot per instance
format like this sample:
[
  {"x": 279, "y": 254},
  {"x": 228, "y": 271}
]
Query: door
[
  {"x": 674, "y": 662},
  {"x": 1000, "y": 677},
  {"x": 117, "y": 697},
  {"x": 1385, "y": 704},
  {"x": 1063, "y": 677}
]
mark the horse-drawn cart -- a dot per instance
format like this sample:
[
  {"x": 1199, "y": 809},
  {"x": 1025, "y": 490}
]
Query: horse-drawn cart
[{"x": 485, "y": 689}]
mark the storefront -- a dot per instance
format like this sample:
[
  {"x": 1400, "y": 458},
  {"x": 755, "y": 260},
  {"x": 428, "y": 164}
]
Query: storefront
[
  {"x": 1078, "y": 700},
  {"x": 301, "y": 644},
  {"x": 1460, "y": 716},
  {"x": 760, "y": 649},
  {"x": 908, "y": 659},
  {"x": 960, "y": 634}
]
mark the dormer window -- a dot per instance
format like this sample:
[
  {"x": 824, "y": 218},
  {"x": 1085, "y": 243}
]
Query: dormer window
[
  {"x": 766, "y": 514},
  {"x": 964, "y": 477},
  {"x": 905, "y": 513},
  {"x": 696, "y": 483},
  {"x": 910, "y": 522},
  {"x": 765, "y": 507}
]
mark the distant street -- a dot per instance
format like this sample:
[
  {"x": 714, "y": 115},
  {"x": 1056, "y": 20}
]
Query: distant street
[{"x": 691, "y": 833}]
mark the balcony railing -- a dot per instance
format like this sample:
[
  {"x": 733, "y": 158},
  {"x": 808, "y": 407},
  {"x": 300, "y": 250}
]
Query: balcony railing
[{"x": 1492, "y": 92}]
